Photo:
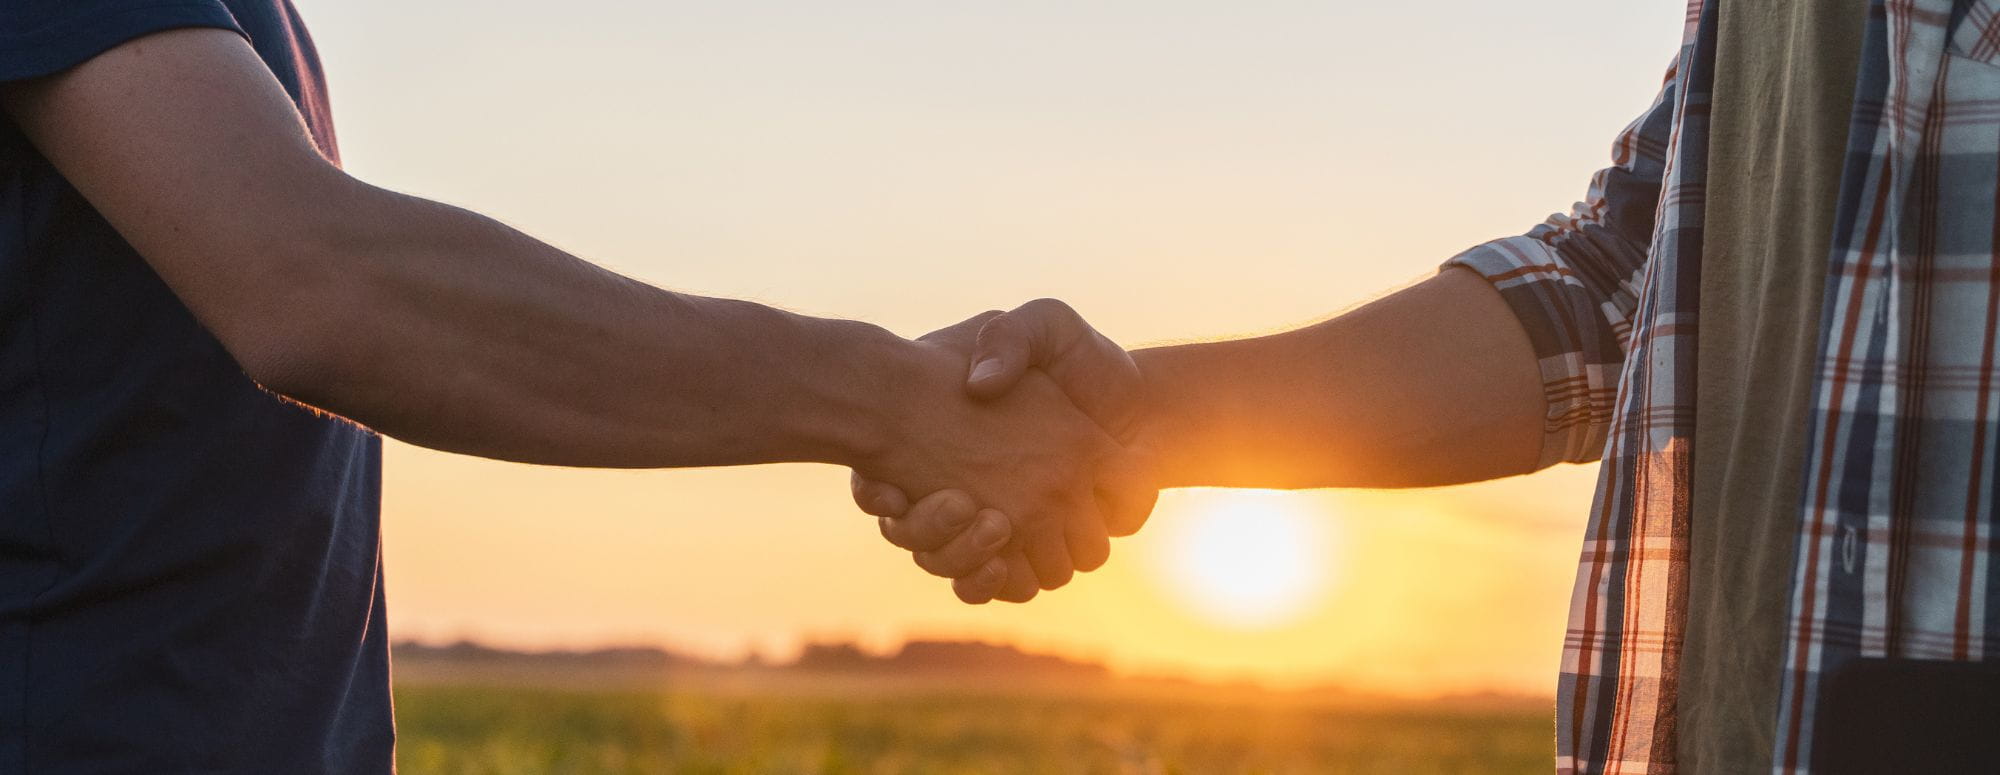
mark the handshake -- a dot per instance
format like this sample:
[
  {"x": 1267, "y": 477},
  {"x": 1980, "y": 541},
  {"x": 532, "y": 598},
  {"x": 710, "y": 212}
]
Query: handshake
[{"x": 1028, "y": 464}]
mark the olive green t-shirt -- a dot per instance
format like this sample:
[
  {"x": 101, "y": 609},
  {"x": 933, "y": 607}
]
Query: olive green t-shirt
[{"x": 1784, "y": 95}]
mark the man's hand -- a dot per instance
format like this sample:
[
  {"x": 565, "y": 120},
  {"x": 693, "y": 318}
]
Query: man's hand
[
  {"x": 1030, "y": 454},
  {"x": 1100, "y": 378},
  {"x": 950, "y": 536}
]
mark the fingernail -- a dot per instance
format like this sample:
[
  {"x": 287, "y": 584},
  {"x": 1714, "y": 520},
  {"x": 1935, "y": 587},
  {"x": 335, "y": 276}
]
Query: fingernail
[
  {"x": 985, "y": 370},
  {"x": 993, "y": 532}
]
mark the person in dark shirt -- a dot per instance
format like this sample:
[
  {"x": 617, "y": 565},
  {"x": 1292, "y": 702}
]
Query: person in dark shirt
[{"x": 202, "y": 316}]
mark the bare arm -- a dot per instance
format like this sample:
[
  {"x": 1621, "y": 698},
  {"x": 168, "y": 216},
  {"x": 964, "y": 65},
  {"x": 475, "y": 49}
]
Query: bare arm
[
  {"x": 1443, "y": 382},
  {"x": 1447, "y": 381},
  {"x": 423, "y": 320},
  {"x": 450, "y": 330},
  {"x": 1435, "y": 384}
]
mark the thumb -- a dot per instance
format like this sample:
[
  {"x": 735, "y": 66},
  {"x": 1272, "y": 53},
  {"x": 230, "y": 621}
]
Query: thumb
[
  {"x": 959, "y": 336},
  {"x": 1012, "y": 342},
  {"x": 999, "y": 358}
]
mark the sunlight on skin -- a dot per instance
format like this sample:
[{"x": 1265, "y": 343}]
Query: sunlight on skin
[
  {"x": 728, "y": 562},
  {"x": 1250, "y": 559},
  {"x": 1177, "y": 170}
]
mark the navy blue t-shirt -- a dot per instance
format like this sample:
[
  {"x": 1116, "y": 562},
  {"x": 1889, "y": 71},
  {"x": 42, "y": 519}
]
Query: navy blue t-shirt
[{"x": 190, "y": 567}]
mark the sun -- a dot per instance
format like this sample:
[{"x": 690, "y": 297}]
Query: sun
[{"x": 1248, "y": 559}]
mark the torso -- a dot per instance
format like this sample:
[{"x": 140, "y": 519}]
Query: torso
[{"x": 190, "y": 575}]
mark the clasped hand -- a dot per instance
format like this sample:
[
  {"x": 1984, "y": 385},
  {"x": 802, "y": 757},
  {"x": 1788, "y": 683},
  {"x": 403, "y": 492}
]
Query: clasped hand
[{"x": 1028, "y": 462}]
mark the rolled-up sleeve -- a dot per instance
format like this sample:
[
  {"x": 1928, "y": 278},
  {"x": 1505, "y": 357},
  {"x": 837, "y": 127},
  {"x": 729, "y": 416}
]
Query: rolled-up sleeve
[{"x": 1573, "y": 281}]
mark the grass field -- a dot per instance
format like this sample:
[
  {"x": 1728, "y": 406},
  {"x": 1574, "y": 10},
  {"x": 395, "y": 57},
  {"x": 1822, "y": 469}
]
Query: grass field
[{"x": 467, "y": 728}]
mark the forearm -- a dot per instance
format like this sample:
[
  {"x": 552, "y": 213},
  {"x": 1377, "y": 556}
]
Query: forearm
[
  {"x": 431, "y": 323},
  {"x": 1436, "y": 384},
  {"x": 449, "y": 330}
]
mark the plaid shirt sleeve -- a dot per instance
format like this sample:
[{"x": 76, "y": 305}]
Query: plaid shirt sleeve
[{"x": 1573, "y": 281}]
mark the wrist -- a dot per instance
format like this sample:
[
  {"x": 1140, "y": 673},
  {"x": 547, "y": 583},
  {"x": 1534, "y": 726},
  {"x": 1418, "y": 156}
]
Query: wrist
[
  {"x": 886, "y": 381},
  {"x": 1161, "y": 425}
]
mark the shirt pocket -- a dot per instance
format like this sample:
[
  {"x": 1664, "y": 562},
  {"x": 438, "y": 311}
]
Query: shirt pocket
[{"x": 1975, "y": 31}]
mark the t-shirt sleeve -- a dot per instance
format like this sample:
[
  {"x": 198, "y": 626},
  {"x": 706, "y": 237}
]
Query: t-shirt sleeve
[{"x": 40, "y": 37}]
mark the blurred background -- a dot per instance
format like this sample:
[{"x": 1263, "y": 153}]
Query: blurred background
[{"x": 1176, "y": 170}]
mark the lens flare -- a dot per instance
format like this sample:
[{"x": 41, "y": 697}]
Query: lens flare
[{"x": 1248, "y": 559}]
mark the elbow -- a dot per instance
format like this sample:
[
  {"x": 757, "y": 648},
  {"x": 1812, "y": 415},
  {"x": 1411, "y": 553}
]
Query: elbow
[
  {"x": 285, "y": 364},
  {"x": 296, "y": 353},
  {"x": 298, "y": 331},
  {"x": 287, "y": 292}
]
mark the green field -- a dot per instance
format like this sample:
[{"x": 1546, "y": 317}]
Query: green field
[{"x": 466, "y": 728}]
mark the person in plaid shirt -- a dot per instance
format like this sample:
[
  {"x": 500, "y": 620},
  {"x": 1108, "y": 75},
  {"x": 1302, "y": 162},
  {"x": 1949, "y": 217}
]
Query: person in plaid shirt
[{"x": 1774, "y": 319}]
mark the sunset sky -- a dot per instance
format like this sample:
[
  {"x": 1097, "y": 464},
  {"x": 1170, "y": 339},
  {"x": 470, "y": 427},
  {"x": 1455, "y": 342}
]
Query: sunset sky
[{"x": 1176, "y": 170}]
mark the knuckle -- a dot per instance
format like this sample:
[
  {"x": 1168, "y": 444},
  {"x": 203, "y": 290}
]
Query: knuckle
[
  {"x": 878, "y": 499},
  {"x": 1130, "y": 518},
  {"x": 928, "y": 538},
  {"x": 1050, "y": 307},
  {"x": 916, "y": 526},
  {"x": 1093, "y": 557},
  {"x": 953, "y": 564},
  {"x": 951, "y": 505},
  {"x": 971, "y": 596},
  {"x": 1069, "y": 520},
  {"x": 998, "y": 329}
]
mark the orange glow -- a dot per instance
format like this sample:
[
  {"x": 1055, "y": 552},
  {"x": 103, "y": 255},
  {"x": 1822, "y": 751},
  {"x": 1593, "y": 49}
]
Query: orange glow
[
  {"x": 1175, "y": 170},
  {"x": 1250, "y": 559}
]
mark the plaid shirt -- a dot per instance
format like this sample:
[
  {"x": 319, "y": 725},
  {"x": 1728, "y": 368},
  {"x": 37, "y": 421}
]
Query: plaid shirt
[{"x": 1895, "y": 553}]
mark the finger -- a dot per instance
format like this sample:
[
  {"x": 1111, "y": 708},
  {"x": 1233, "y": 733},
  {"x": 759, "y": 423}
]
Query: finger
[
  {"x": 1084, "y": 538},
  {"x": 880, "y": 499},
  {"x": 969, "y": 549},
  {"x": 1031, "y": 335},
  {"x": 982, "y": 585},
  {"x": 1020, "y": 586},
  {"x": 960, "y": 336},
  {"x": 1127, "y": 489},
  {"x": 1048, "y": 556},
  {"x": 932, "y": 523},
  {"x": 1002, "y": 353},
  {"x": 1125, "y": 511}
]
